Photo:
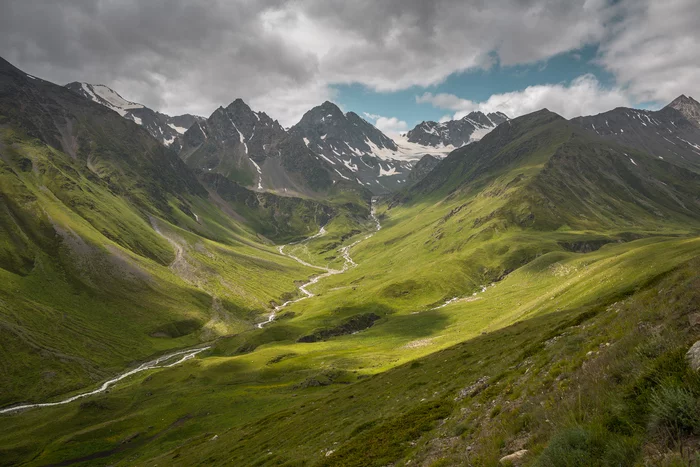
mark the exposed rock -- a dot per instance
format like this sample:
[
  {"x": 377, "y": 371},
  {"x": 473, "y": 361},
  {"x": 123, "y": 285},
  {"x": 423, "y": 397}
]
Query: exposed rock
[
  {"x": 423, "y": 168},
  {"x": 693, "y": 356},
  {"x": 694, "y": 320},
  {"x": 671, "y": 134},
  {"x": 456, "y": 133},
  {"x": 355, "y": 149},
  {"x": 164, "y": 128},
  {"x": 474, "y": 389},
  {"x": 689, "y": 107},
  {"x": 514, "y": 459}
]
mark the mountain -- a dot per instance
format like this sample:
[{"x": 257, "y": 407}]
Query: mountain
[
  {"x": 164, "y": 128},
  {"x": 422, "y": 168},
  {"x": 668, "y": 134},
  {"x": 534, "y": 293},
  {"x": 547, "y": 173},
  {"x": 689, "y": 107},
  {"x": 255, "y": 151},
  {"x": 112, "y": 249},
  {"x": 455, "y": 133},
  {"x": 354, "y": 147}
]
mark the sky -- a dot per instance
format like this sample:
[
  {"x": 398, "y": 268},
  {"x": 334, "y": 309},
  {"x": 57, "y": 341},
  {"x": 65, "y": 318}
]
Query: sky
[{"x": 395, "y": 62}]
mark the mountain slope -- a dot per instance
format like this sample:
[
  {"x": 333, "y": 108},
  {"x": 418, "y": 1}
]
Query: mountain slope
[
  {"x": 455, "y": 133},
  {"x": 665, "y": 134},
  {"x": 164, "y": 128},
  {"x": 552, "y": 174},
  {"x": 422, "y": 168},
  {"x": 255, "y": 151},
  {"x": 533, "y": 292},
  {"x": 111, "y": 250},
  {"x": 354, "y": 147}
]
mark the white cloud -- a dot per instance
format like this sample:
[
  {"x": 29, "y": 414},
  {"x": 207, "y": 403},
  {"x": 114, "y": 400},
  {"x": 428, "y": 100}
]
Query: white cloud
[
  {"x": 653, "y": 50},
  {"x": 390, "y": 126},
  {"x": 371, "y": 116},
  {"x": 583, "y": 96},
  {"x": 179, "y": 56},
  {"x": 284, "y": 56}
]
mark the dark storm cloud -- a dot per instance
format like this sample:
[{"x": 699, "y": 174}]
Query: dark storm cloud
[{"x": 282, "y": 56}]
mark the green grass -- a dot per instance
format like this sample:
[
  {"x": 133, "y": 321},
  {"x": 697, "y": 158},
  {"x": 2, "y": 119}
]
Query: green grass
[
  {"x": 567, "y": 337},
  {"x": 87, "y": 287}
]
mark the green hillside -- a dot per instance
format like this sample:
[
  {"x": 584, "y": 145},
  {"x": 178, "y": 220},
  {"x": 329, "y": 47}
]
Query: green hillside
[
  {"x": 533, "y": 291},
  {"x": 112, "y": 251}
]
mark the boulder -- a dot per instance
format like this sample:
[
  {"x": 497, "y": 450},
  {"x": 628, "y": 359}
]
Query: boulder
[
  {"x": 694, "y": 320},
  {"x": 693, "y": 356},
  {"x": 514, "y": 459}
]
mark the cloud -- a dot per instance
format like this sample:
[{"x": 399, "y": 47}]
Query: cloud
[
  {"x": 583, "y": 96},
  {"x": 391, "y": 126},
  {"x": 179, "y": 56},
  {"x": 653, "y": 49},
  {"x": 284, "y": 56}
]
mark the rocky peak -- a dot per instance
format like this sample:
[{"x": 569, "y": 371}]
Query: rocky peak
[
  {"x": 689, "y": 107},
  {"x": 456, "y": 133}
]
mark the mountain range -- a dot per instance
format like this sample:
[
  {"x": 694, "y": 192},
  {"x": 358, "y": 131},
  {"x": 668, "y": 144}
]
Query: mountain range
[
  {"x": 346, "y": 146},
  {"x": 326, "y": 295}
]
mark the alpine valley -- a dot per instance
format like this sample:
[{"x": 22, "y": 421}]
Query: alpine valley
[{"x": 490, "y": 290}]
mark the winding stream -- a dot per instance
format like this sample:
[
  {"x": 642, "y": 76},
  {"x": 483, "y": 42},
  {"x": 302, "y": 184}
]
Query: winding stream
[
  {"x": 166, "y": 361},
  {"x": 171, "y": 359},
  {"x": 345, "y": 253}
]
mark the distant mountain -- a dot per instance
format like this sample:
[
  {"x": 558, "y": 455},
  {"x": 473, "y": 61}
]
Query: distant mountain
[
  {"x": 455, "y": 133},
  {"x": 164, "y": 128},
  {"x": 354, "y": 148},
  {"x": 422, "y": 168},
  {"x": 671, "y": 134},
  {"x": 689, "y": 107},
  {"x": 561, "y": 175},
  {"x": 254, "y": 150}
]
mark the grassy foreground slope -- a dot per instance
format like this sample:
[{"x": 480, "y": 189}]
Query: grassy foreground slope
[{"x": 573, "y": 263}]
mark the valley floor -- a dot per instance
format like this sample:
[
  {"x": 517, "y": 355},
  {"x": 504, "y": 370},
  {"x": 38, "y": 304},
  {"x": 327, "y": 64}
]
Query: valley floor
[{"x": 375, "y": 369}]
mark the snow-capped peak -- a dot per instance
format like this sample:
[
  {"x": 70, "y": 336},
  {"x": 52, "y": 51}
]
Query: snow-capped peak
[{"x": 109, "y": 98}]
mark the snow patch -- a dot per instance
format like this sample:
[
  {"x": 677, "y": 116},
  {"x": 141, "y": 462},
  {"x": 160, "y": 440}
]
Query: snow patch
[
  {"x": 387, "y": 173},
  {"x": 107, "y": 97},
  {"x": 257, "y": 167},
  {"x": 179, "y": 129},
  {"x": 349, "y": 165},
  {"x": 338, "y": 172}
]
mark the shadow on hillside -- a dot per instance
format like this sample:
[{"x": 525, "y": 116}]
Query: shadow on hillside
[{"x": 415, "y": 326}]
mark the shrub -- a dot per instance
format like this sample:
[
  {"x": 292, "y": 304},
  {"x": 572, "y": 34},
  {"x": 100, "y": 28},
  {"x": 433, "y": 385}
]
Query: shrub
[
  {"x": 584, "y": 447},
  {"x": 675, "y": 411}
]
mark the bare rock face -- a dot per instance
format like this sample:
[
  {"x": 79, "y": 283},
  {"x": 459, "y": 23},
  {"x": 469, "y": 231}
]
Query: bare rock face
[
  {"x": 689, "y": 107},
  {"x": 354, "y": 147},
  {"x": 693, "y": 356},
  {"x": 470, "y": 391},
  {"x": 456, "y": 133},
  {"x": 694, "y": 320},
  {"x": 515, "y": 459}
]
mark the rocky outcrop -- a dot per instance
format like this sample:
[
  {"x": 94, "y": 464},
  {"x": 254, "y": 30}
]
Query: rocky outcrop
[
  {"x": 693, "y": 356},
  {"x": 515, "y": 459}
]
